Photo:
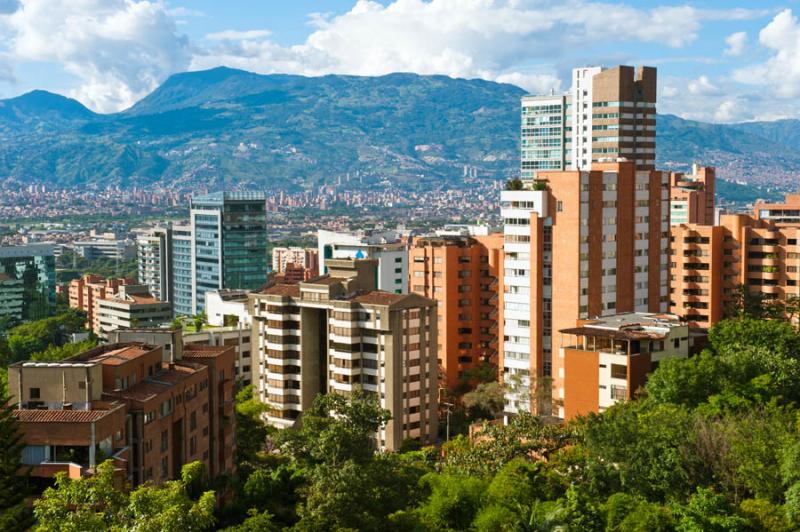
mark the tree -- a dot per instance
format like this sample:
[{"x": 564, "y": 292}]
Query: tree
[
  {"x": 708, "y": 511},
  {"x": 13, "y": 487},
  {"x": 251, "y": 431},
  {"x": 514, "y": 184},
  {"x": 55, "y": 353},
  {"x": 453, "y": 503},
  {"x": 486, "y": 401}
]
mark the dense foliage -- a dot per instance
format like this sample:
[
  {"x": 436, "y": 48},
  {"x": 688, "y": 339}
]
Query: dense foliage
[
  {"x": 40, "y": 336},
  {"x": 14, "y": 515},
  {"x": 712, "y": 444}
]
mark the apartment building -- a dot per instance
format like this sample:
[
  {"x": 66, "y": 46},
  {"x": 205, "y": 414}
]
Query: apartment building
[
  {"x": 389, "y": 248},
  {"x": 708, "y": 264},
  {"x": 127, "y": 403},
  {"x": 578, "y": 245},
  {"x": 784, "y": 213},
  {"x": 154, "y": 254},
  {"x": 300, "y": 257},
  {"x": 607, "y": 113},
  {"x": 12, "y": 294},
  {"x": 336, "y": 334},
  {"x": 182, "y": 270},
  {"x": 35, "y": 266},
  {"x": 692, "y": 196},
  {"x": 462, "y": 274},
  {"x": 606, "y": 360},
  {"x": 229, "y": 247},
  {"x": 86, "y": 292},
  {"x": 131, "y": 307},
  {"x": 106, "y": 246}
]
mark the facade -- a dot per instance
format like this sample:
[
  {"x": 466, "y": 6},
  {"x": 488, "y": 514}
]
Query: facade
[
  {"x": 295, "y": 273},
  {"x": 105, "y": 248},
  {"x": 709, "y": 264},
  {"x": 35, "y": 266},
  {"x": 227, "y": 307},
  {"x": 607, "y": 360},
  {"x": 229, "y": 249},
  {"x": 182, "y": 268},
  {"x": 606, "y": 114},
  {"x": 86, "y": 292},
  {"x": 388, "y": 248},
  {"x": 154, "y": 253},
  {"x": 462, "y": 274},
  {"x": 12, "y": 295},
  {"x": 786, "y": 213},
  {"x": 336, "y": 334},
  {"x": 578, "y": 245},
  {"x": 302, "y": 257},
  {"x": 125, "y": 402},
  {"x": 131, "y": 307},
  {"x": 692, "y": 196}
]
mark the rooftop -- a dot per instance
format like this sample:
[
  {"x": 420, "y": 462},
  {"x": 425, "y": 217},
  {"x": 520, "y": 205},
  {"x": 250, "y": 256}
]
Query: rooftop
[
  {"x": 204, "y": 351},
  {"x": 62, "y": 416},
  {"x": 286, "y": 290},
  {"x": 628, "y": 326}
]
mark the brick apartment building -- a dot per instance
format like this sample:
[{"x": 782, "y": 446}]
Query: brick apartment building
[
  {"x": 709, "y": 264},
  {"x": 692, "y": 196},
  {"x": 337, "y": 334},
  {"x": 462, "y": 273},
  {"x": 149, "y": 413},
  {"x": 85, "y": 292}
]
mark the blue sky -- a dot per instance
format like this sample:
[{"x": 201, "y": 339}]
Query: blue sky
[{"x": 718, "y": 61}]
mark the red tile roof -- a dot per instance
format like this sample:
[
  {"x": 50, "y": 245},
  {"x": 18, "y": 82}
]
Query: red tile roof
[
  {"x": 60, "y": 416},
  {"x": 291, "y": 290}
]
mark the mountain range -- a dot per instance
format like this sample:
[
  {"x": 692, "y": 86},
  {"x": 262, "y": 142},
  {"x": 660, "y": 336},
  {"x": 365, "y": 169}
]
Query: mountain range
[{"x": 224, "y": 126}]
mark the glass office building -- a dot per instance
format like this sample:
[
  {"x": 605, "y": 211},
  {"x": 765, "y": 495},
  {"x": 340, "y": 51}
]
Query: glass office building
[{"x": 35, "y": 266}]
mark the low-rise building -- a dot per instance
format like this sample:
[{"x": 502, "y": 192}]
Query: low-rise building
[
  {"x": 336, "y": 334},
  {"x": 606, "y": 360},
  {"x": 127, "y": 402},
  {"x": 131, "y": 307}
]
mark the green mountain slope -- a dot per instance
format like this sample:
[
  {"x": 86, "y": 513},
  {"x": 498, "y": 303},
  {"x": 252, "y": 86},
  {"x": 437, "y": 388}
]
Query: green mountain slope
[{"x": 223, "y": 125}]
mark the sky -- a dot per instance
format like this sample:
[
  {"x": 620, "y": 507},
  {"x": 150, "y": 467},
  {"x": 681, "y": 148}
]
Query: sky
[{"x": 718, "y": 61}]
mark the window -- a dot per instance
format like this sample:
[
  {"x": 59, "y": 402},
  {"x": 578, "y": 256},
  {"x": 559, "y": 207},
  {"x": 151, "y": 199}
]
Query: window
[
  {"x": 34, "y": 393},
  {"x": 164, "y": 466},
  {"x": 618, "y": 371},
  {"x": 193, "y": 446},
  {"x": 164, "y": 440},
  {"x": 193, "y": 421}
]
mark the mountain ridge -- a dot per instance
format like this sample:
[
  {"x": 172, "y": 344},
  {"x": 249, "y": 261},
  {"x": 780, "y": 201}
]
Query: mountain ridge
[{"x": 290, "y": 132}]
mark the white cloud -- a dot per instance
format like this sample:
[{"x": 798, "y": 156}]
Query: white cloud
[
  {"x": 736, "y": 43},
  {"x": 533, "y": 83},
  {"x": 781, "y": 72},
  {"x": 727, "y": 111},
  {"x": 118, "y": 49},
  {"x": 232, "y": 35},
  {"x": 701, "y": 85}
]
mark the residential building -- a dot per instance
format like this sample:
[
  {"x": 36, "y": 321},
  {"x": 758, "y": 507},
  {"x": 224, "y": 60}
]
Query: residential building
[
  {"x": 227, "y": 308},
  {"x": 302, "y": 257},
  {"x": 229, "y": 249},
  {"x": 155, "y": 262},
  {"x": 127, "y": 403},
  {"x": 607, "y": 113},
  {"x": 710, "y": 264},
  {"x": 295, "y": 273},
  {"x": 389, "y": 248},
  {"x": 462, "y": 274},
  {"x": 12, "y": 295},
  {"x": 131, "y": 307},
  {"x": 35, "y": 266},
  {"x": 337, "y": 334},
  {"x": 85, "y": 293},
  {"x": 692, "y": 196},
  {"x": 606, "y": 360},
  {"x": 785, "y": 213},
  {"x": 182, "y": 268},
  {"x": 578, "y": 245}
]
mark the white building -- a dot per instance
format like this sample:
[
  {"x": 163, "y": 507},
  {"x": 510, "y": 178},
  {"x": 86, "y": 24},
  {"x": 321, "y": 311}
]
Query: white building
[
  {"x": 227, "y": 308},
  {"x": 132, "y": 307},
  {"x": 386, "y": 247}
]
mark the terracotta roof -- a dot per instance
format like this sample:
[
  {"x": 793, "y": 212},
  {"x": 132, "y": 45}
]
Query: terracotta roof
[
  {"x": 122, "y": 355},
  {"x": 291, "y": 290},
  {"x": 204, "y": 351},
  {"x": 326, "y": 281},
  {"x": 60, "y": 416},
  {"x": 378, "y": 297},
  {"x": 157, "y": 384}
]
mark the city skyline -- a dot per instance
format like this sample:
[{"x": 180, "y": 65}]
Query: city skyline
[{"x": 718, "y": 62}]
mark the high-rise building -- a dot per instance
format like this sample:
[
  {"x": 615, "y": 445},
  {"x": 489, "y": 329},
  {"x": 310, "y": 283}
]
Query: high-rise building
[
  {"x": 578, "y": 245},
  {"x": 35, "y": 266},
  {"x": 303, "y": 257},
  {"x": 389, "y": 248},
  {"x": 155, "y": 262},
  {"x": 711, "y": 264},
  {"x": 12, "y": 294},
  {"x": 182, "y": 268},
  {"x": 336, "y": 334},
  {"x": 692, "y": 196},
  {"x": 606, "y": 360},
  {"x": 606, "y": 114},
  {"x": 463, "y": 275},
  {"x": 230, "y": 243},
  {"x": 148, "y": 413}
]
